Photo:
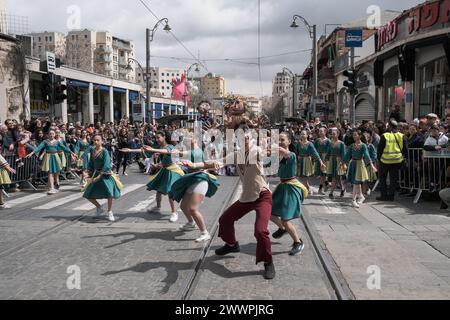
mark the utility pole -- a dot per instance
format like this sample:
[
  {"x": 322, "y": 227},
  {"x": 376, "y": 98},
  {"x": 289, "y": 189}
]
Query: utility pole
[
  {"x": 353, "y": 95},
  {"x": 293, "y": 95},
  {"x": 147, "y": 83},
  {"x": 315, "y": 71}
]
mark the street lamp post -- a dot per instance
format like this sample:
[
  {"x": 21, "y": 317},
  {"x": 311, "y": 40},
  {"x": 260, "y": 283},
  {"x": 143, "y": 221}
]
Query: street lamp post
[
  {"x": 149, "y": 38},
  {"x": 186, "y": 76},
  {"x": 287, "y": 70},
  {"x": 130, "y": 68},
  {"x": 313, "y": 35}
]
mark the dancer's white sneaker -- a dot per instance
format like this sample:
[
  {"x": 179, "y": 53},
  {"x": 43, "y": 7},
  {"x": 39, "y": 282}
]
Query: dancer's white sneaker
[
  {"x": 5, "y": 206},
  {"x": 355, "y": 204},
  {"x": 203, "y": 237},
  {"x": 52, "y": 191},
  {"x": 188, "y": 226},
  {"x": 174, "y": 217},
  {"x": 361, "y": 199},
  {"x": 111, "y": 216}
]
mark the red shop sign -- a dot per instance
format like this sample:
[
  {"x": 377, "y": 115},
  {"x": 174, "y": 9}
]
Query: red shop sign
[{"x": 419, "y": 18}]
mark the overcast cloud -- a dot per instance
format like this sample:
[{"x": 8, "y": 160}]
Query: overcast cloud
[{"x": 215, "y": 29}]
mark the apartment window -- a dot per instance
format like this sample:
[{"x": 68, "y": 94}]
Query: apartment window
[
  {"x": 178, "y": 74},
  {"x": 163, "y": 93},
  {"x": 162, "y": 80},
  {"x": 46, "y": 39},
  {"x": 173, "y": 74},
  {"x": 39, "y": 39},
  {"x": 168, "y": 88},
  {"x": 50, "y": 38},
  {"x": 76, "y": 37},
  {"x": 85, "y": 36},
  {"x": 168, "y": 75}
]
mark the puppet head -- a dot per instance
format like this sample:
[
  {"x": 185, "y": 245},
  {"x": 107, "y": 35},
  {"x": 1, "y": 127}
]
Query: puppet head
[
  {"x": 235, "y": 105},
  {"x": 204, "y": 107}
]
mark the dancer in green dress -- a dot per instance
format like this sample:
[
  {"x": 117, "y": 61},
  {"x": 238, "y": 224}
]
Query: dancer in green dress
[
  {"x": 288, "y": 197},
  {"x": 358, "y": 158},
  {"x": 336, "y": 169},
  {"x": 4, "y": 179},
  {"x": 192, "y": 188},
  {"x": 321, "y": 144},
  {"x": 367, "y": 186},
  {"x": 103, "y": 184},
  {"x": 62, "y": 154},
  {"x": 170, "y": 172},
  {"x": 306, "y": 152},
  {"x": 81, "y": 147},
  {"x": 51, "y": 162}
]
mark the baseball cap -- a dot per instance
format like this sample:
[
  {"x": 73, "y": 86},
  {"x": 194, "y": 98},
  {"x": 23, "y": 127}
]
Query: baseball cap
[{"x": 432, "y": 115}]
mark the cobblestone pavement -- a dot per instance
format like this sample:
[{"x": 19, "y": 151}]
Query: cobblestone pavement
[
  {"x": 409, "y": 245},
  {"x": 45, "y": 239},
  {"x": 236, "y": 276},
  {"x": 140, "y": 256}
]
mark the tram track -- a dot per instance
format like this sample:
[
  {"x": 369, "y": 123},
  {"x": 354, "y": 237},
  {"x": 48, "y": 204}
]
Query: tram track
[{"x": 332, "y": 274}]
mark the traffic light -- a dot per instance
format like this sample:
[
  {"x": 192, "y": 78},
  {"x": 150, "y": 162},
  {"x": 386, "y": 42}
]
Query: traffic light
[
  {"x": 47, "y": 88},
  {"x": 350, "y": 83},
  {"x": 59, "y": 90}
]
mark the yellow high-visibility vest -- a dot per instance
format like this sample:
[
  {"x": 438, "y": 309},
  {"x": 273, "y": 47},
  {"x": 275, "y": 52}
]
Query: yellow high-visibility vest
[{"x": 392, "y": 152}]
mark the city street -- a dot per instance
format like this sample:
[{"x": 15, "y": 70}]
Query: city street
[{"x": 143, "y": 256}]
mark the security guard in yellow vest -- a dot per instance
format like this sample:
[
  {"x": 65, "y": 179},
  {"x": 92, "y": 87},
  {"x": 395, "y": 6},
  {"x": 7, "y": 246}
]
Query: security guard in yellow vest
[{"x": 391, "y": 154}]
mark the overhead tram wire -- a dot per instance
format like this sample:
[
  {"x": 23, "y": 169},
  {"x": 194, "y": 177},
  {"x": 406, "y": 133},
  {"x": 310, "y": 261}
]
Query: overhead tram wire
[
  {"x": 173, "y": 35},
  {"x": 233, "y": 59}
]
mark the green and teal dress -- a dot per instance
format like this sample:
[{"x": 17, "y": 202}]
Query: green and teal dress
[
  {"x": 374, "y": 157},
  {"x": 288, "y": 196},
  {"x": 51, "y": 162},
  {"x": 109, "y": 185},
  {"x": 79, "y": 150},
  {"x": 170, "y": 172},
  {"x": 322, "y": 148},
  {"x": 306, "y": 154},
  {"x": 86, "y": 157},
  {"x": 334, "y": 157},
  {"x": 62, "y": 153},
  {"x": 180, "y": 186},
  {"x": 359, "y": 159},
  {"x": 4, "y": 175}
]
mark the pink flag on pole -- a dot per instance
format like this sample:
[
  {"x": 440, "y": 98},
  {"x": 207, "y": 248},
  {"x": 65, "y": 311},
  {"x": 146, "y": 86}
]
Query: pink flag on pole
[{"x": 179, "y": 88}]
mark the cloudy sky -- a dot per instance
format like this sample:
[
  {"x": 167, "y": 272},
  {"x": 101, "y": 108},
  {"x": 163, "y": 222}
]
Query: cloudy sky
[{"x": 212, "y": 29}]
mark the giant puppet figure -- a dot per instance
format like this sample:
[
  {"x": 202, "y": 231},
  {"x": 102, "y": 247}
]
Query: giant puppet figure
[
  {"x": 235, "y": 107},
  {"x": 204, "y": 108}
]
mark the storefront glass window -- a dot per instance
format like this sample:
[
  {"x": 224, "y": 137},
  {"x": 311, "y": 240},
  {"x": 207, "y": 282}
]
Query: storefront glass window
[
  {"x": 394, "y": 93},
  {"x": 434, "y": 87}
]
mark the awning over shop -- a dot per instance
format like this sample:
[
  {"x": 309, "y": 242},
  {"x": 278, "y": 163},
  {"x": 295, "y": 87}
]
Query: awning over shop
[
  {"x": 77, "y": 83},
  {"x": 133, "y": 95},
  {"x": 101, "y": 88},
  {"x": 120, "y": 90}
]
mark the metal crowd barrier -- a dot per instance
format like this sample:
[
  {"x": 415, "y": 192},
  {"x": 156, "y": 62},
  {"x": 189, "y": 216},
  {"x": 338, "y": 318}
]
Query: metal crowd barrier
[
  {"x": 28, "y": 170},
  {"x": 425, "y": 171}
]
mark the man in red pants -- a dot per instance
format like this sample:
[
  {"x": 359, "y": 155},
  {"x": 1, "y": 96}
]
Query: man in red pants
[{"x": 256, "y": 196}]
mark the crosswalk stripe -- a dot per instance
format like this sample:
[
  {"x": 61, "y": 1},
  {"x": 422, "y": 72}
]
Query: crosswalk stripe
[
  {"x": 141, "y": 206},
  {"x": 90, "y": 206},
  {"x": 59, "y": 202},
  {"x": 38, "y": 195}
]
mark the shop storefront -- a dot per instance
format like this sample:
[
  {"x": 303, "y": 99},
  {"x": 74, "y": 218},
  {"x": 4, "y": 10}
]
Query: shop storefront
[{"x": 413, "y": 53}]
